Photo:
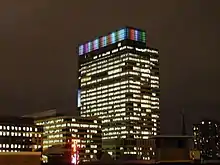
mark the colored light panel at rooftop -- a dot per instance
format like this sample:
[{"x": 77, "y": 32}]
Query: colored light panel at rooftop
[{"x": 114, "y": 37}]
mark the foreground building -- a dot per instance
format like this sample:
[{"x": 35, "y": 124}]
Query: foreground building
[
  {"x": 206, "y": 139},
  {"x": 170, "y": 149},
  {"x": 19, "y": 134},
  {"x": 80, "y": 136},
  {"x": 20, "y": 158},
  {"x": 119, "y": 83}
]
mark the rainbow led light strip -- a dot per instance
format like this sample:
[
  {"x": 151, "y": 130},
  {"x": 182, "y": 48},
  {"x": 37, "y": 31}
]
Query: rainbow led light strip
[{"x": 122, "y": 34}]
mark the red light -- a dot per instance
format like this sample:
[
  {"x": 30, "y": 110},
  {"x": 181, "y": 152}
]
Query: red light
[
  {"x": 132, "y": 35},
  {"x": 109, "y": 39}
]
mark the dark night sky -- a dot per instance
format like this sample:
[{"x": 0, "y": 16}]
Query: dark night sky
[{"x": 38, "y": 41}]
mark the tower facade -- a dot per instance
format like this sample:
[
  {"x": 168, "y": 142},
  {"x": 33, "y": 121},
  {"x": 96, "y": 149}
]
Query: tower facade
[{"x": 119, "y": 83}]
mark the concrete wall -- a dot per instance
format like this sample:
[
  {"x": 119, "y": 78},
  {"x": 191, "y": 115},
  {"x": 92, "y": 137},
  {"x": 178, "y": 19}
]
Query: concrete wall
[
  {"x": 20, "y": 158},
  {"x": 172, "y": 154}
]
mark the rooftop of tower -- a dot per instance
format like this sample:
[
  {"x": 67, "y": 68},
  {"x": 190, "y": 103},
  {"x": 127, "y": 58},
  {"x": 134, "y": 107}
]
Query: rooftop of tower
[{"x": 124, "y": 33}]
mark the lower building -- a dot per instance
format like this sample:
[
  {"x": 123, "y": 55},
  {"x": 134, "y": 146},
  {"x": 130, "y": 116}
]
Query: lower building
[
  {"x": 80, "y": 136},
  {"x": 138, "y": 149},
  {"x": 19, "y": 134},
  {"x": 173, "y": 148},
  {"x": 168, "y": 150},
  {"x": 207, "y": 139}
]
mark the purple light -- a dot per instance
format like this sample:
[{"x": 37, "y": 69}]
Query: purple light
[{"x": 136, "y": 35}]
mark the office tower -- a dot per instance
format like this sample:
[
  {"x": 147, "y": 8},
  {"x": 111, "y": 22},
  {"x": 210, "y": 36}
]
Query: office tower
[
  {"x": 19, "y": 134},
  {"x": 119, "y": 83},
  {"x": 206, "y": 138},
  {"x": 83, "y": 135}
]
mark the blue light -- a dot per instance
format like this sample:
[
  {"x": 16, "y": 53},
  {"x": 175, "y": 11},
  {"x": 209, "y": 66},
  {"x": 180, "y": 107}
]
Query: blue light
[
  {"x": 113, "y": 37},
  {"x": 89, "y": 46},
  {"x": 79, "y": 98},
  {"x": 96, "y": 44},
  {"x": 136, "y": 35},
  {"x": 104, "y": 41},
  {"x": 81, "y": 49},
  {"x": 121, "y": 34}
]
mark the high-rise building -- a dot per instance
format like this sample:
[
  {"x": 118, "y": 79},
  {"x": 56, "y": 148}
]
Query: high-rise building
[
  {"x": 207, "y": 138},
  {"x": 119, "y": 83},
  {"x": 19, "y": 135}
]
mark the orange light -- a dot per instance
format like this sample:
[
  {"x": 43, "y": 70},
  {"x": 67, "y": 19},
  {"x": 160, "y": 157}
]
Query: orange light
[{"x": 75, "y": 153}]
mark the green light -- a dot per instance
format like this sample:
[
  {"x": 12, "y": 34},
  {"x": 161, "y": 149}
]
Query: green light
[{"x": 143, "y": 37}]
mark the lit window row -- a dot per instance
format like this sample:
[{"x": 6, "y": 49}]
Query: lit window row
[
  {"x": 9, "y": 150},
  {"x": 98, "y": 69},
  {"x": 108, "y": 103},
  {"x": 113, "y": 128},
  {"x": 154, "y": 81},
  {"x": 18, "y": 134},
  {"x": 55, "y": 136},
  {"x": 138, "y": 69},
  {"x": 111, "y": 92},
  {"x": 16, "y": 128},
  {"x": 102, "y": 64},
  {"x": 50, "y": 122},
  {"x": 118, "y": 84},
  {"x": 12, "y": 146},
  {"x": 52, "y": 141},
  {"x": 96, "y": 95},
  {"x": 107, "y": 78},
  {"x": 154, "y": 77}
]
